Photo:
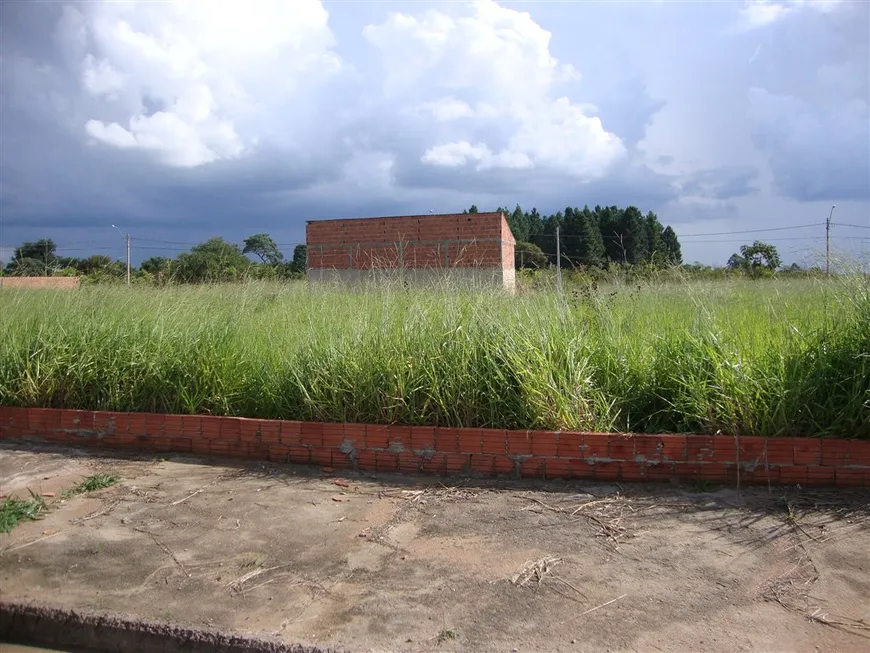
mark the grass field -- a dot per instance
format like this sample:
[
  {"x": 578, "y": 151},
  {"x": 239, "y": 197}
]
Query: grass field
[{"x": 768, "y": 357}]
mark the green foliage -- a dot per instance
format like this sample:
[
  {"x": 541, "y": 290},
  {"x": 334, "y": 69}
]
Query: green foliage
[
  {"x": 617, "y": 351},
  {"x": 212, "y": 261},
  {"x": 672, "y": 249},
  {"x": 300, "y": 259},
  {"x": 263, "y": 246},
  {"x": 529, "y": 255},
  {"x": 92, "y": 483},
  {"x": 14, "y": 510}
]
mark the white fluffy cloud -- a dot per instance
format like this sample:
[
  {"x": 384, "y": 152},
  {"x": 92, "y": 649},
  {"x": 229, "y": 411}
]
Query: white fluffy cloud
[
  {"x": 482, "y": 65},
  {"x": 759, "y": 13},
  {"x": 190, "y": 81}
]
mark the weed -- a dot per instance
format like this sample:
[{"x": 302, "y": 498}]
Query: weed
[
  {"x": 92, "y": 483},
  {"x": 771, "y": 357},
  {"x": 447, "y": 634},
  {"x": 14, "y": 510}
]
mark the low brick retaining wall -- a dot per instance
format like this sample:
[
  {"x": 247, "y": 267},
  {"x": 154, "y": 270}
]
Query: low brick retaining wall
[{"x": 486, "y": 452}]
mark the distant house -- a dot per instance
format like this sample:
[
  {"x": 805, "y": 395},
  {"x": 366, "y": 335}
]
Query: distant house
[{"x": 471, "y": 249}]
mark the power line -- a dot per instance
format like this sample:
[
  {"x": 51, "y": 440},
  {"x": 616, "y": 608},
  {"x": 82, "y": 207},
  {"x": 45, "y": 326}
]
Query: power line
[
  {"x": 854, "y": 226},
  {"x": 754, "y": 231}
]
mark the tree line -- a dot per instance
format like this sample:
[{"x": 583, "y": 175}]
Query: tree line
[
  {"x": 214, "y": 260},
  {"x": 591, "y": 238}
]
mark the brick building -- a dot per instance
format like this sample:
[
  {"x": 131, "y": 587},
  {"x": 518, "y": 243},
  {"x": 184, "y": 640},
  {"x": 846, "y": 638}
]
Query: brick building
[{"x": 472, "y": 249}]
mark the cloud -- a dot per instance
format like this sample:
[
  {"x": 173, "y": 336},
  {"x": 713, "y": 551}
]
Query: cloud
[
  {"x": 817, "y": 151},
  {"x": 205, "y": 64},
  {"x": 719, "y": 183},
  {"x": 490, "y": 64},
  {"x": 760, "y": 13}
]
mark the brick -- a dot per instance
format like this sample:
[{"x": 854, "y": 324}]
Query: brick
[
  {"x": 191, "y": 426},
  {"x": 859, "y": 452},
  {"x": 519, "y": 443},
  {"x": 580, "y": 469},
  {"x": 646, "y": 447},
  {"x": 569, "y": 445},
  {"x": 545, "y": 443},
  {"x": 532, "y": 468},
  {"x": 210, "y": 427},
  {"x": 699, "y": 448},
  {"x": 249, "y": 430},
  {"x": 790, "y": 474},
  {"x": 752, "y": 449},
  {"x": 298, "y": 455},
  {"x": 376, "y": 436},
  {"x": 278, "y": 453},
  {"x": 200, "y": 446},
  {"x": 311, "y": 434},
  {"x": 807, "y": 451},
  {"x": 17, "y": 421},
  {"x": 595, "y": 445},
  {"x": 422, "y": 437},
  {"x": 270, "y": 431},
  {"x": 154, "y": 423},
  {"x": 660, "y": 472},
  {"x": 355, "y": 433},
  {"x": 432, "y": 464},
  {"x": 724, "y": 448},
  {"x": 172, "y": 425},
  {"x": 365, "y": 460},
  {"x": 291, "y": 432},
  {"x": 333, "y": 435},
  {"x": 780, "y": 451},
  {"x": 835, "y": 452},
  {"x": 321, "y": 456},
  {"x": 673, "y": 447},
  {"x": 483, "y": 464},
  {"x": 633, "y": 472},
  {"x": 607, "y": 471},
  {"x": 821, "y": 476},
  {"x": 846, "y": 477},
  {"x": 447, "y": 440},
  {"x": 503, "y": 465},
  {"x": 493, "y": 441},
  {"x": 69, "y": 419},
  {"x": 455, "y": 463},
  {"x": 470, "y": 441},
  {"x": 160, "y": 443},
  {"x": 104, "y": 422},
  {"x": 621, "y": 447},
  {"x": 342, "y": 460},
  {"x": 409, "y": 462},
  {"x": 768, "y": 474},
  {"x": 711, "y": 471},
  {"x": 386, "y": 461},
  {"x": 231, "y": 429},
  {"x": 557, "y": 467},
  {"x": 399, "y": 437},
  {"x": 136, "y": 424},
  {"x": 688, "y": 471}
]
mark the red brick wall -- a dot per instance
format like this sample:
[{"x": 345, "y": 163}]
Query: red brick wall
[
  {"x": 485, "y": 452},
  {"x": 422, "y": 241}
]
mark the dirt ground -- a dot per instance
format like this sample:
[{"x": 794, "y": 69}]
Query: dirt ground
[{"x": 389, "y": 563}]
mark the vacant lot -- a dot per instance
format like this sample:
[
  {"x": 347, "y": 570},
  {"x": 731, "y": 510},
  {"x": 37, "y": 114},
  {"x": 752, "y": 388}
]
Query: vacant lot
[
  {"x": 397, "y": 564},
  {"x": 742, "y": 357}
]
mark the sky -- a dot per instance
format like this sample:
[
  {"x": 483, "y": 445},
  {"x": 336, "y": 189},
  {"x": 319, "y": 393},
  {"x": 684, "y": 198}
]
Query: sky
[{"x": 180, "y": 121}]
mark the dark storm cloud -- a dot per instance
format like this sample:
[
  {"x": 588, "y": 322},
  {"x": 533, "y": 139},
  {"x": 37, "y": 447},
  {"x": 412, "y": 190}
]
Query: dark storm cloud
[{"x": 721, "y": 183}]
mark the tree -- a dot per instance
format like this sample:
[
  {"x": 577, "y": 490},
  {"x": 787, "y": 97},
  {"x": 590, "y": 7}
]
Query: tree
[
  {"x": 263, "y": 246},
  {"x": 213, "y": 260},
  {"x": 473, "y": 209},
  {"x": 529, "y": 255},
  {"x": 757, "y": 256},
  {"x": 736, "y": 262},
  {"x": 300, "y": 259},
  {"x": 673, "y": 251},
  {"x": 33, "y": 259},
  {"x": 655, "y": 244}
]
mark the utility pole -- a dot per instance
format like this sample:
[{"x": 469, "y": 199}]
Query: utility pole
[
  {"x": 828, "y": 242},
  {"x": 127, "y": 243},
  {"x": 558, "y": 262}
]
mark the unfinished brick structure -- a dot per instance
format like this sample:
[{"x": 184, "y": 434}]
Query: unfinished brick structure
[{"x": 471, "y": 249}]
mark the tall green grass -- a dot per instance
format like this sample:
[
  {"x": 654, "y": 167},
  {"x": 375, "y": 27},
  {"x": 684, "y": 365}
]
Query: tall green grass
[{"x": 770, "y": 358}]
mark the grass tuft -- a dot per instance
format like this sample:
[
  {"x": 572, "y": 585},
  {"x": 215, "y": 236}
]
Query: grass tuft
[
  {"x": 14, "y": 510},
  {"x": 771, "y": 358},
  {"x": 92, "y": 483}
]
